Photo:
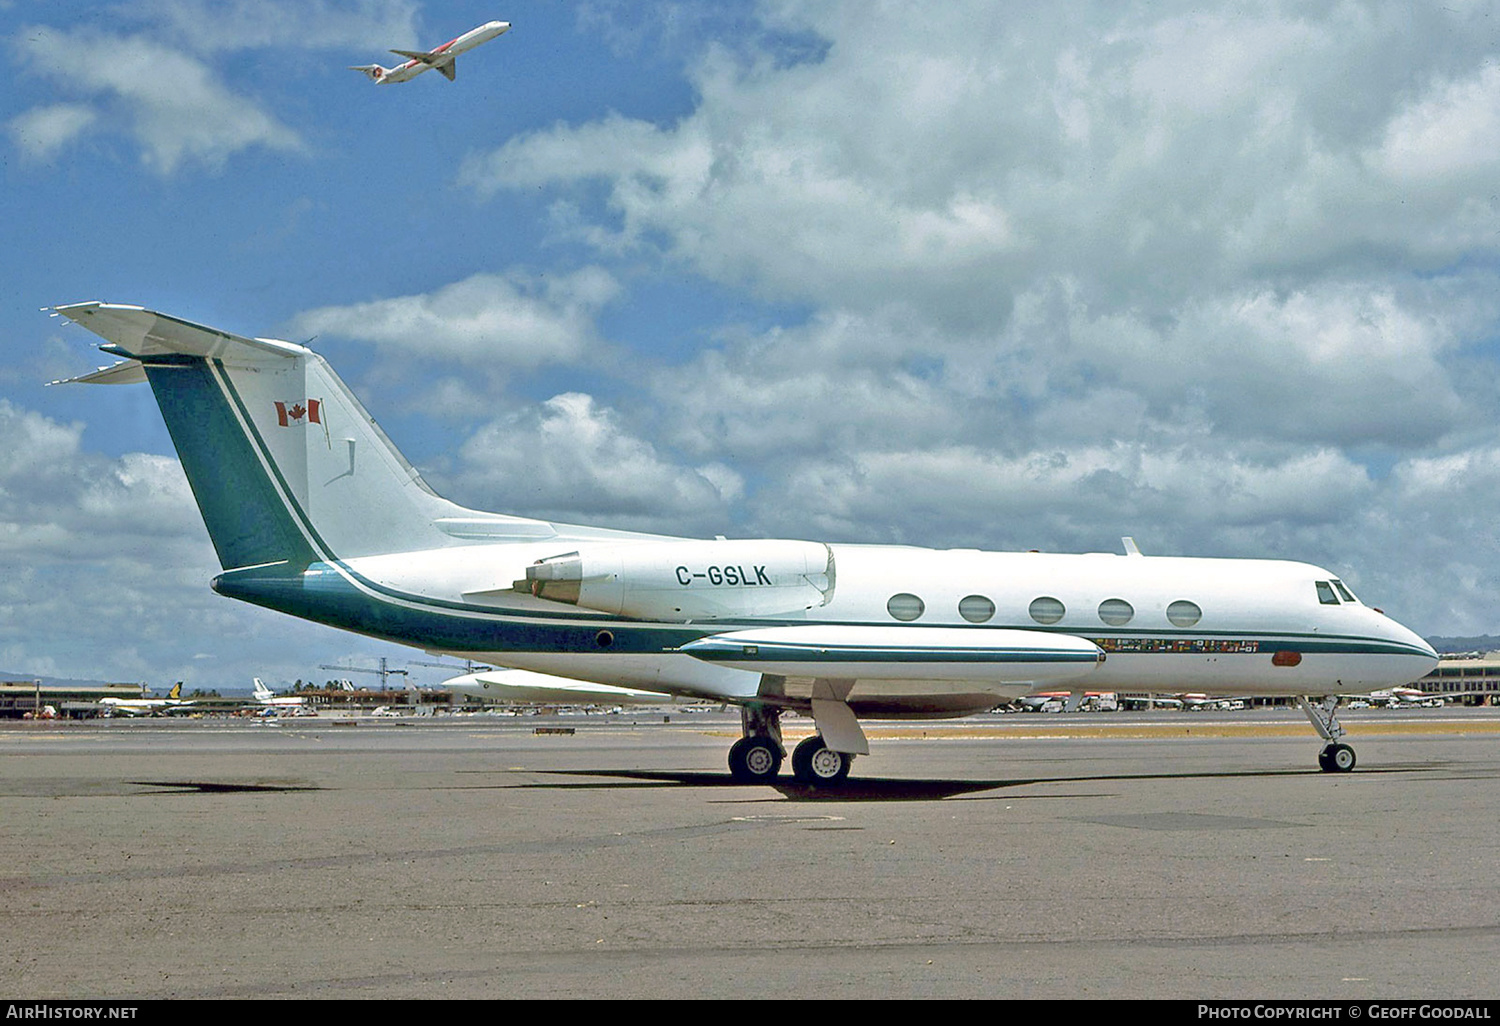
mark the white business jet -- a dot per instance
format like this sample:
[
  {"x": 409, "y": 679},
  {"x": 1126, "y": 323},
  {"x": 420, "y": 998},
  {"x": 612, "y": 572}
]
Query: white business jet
[
  {"x": 440, "y": 57},
  {"x": 313, "y": 512}
]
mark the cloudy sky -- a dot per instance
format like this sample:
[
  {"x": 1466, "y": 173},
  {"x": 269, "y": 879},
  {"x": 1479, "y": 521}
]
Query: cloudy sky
[{"x": 963, "y": 274}]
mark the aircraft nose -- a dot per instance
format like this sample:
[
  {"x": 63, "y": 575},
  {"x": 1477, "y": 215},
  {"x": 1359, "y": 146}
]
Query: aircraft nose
[{"x": 1419, "y": 645}]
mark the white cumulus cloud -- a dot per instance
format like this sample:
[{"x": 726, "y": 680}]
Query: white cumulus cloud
[
  {"x": 175, "y": 105},
  {"x": 505, "y": 320}
]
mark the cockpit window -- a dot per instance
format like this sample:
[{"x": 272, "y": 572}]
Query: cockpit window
[
  {"x": 1344, "y": 593},
  {"x": 1326, "y": 595}
]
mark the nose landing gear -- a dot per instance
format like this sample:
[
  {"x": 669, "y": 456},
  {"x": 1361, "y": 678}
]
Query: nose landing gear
[{"x": 1336, "y": 757}]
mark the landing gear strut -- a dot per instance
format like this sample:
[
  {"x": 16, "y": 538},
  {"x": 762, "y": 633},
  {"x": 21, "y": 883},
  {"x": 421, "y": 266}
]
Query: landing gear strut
[
  {"x": 756, "y": 757},
  {"x": 1336, "y": 757}
]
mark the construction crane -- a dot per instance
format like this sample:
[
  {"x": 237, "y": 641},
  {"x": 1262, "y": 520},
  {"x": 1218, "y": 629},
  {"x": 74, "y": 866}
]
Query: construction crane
[
  {"x": 384, "y": 671},
  {"x": 469, "y": 666}
]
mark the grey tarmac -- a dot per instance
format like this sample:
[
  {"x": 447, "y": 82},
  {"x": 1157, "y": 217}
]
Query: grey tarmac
[{"x": 1176, "y": 855}]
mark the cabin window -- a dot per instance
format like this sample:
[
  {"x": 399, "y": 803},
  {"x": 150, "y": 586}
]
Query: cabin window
[
  {"x": 1047, "y": 609},
  {"x": 976, "y": 608},
  {"x": 1344, "y": 593},
  {"x": 1116, "y": 612},
  {"x": 905, "y": 606},
  {"x": 1326, "y": 595},
  {"x": 1183, "y": 613}
]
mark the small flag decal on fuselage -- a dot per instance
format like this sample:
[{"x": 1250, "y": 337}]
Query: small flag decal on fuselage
[{"x": 288, "y": 415}]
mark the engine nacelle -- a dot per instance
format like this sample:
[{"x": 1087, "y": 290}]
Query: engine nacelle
[{"x": 688, "y": 580}]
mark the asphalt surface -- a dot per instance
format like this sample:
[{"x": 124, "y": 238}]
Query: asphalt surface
[{"x": 1177, "y": 855}]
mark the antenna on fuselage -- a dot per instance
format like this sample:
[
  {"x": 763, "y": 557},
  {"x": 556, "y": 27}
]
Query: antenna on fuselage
[{"x": 1130, "y": 549}]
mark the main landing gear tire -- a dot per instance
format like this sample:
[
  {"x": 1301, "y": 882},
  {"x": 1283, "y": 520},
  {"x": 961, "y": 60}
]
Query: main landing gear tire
[
  {"x": 1336, "y": 758},
  {"x": 754, "y": 760},
  {"x": 815, "y": 763}
]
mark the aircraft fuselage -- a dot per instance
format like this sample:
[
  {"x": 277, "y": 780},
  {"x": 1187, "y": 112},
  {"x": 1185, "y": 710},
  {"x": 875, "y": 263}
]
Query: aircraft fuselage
[{"x": 1215, "y": 626}]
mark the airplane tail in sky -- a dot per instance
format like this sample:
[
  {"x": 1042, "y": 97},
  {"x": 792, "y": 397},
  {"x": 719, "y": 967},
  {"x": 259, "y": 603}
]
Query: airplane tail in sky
[
  {"x": 285, "y": 463},
  {"x": 375, "y": 71}
]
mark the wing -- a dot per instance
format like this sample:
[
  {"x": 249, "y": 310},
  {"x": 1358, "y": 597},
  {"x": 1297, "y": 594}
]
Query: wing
[
  {"x": 956, "y": 670},
  {"x": 526, "y": 686},
  {"x": 902, "y": 653},
  {"x": 432, "y": 58}
]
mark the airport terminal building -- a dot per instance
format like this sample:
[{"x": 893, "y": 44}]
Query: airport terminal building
[
  {"x": 1473, "y": 677},
  {"x": 19, "y": 698}
]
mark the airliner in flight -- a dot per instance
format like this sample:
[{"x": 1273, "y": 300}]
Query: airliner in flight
[
  {"x": 442, "y": 58},
  {"x": 314, "y": 512}
]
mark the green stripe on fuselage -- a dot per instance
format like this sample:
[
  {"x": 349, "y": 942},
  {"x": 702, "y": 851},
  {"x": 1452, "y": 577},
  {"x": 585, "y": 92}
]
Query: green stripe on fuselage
[
  {"x": 324, "y": 595},
  {"x": 246, "y": 518}
]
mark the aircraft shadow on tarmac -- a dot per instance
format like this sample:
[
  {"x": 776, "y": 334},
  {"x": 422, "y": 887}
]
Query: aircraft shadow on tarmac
[
  {"x": 218, "y": 787},
  {"x": 884, "y": 789}
]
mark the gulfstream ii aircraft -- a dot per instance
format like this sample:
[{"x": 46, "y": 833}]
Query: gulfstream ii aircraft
[{"x": 314, "y": 512}]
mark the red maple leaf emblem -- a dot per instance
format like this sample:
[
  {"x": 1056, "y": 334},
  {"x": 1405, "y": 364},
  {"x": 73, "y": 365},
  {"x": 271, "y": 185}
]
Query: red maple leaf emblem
[{"x": 296, "y": 412}]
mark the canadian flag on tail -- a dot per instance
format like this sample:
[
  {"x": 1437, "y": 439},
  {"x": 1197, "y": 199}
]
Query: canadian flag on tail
[{"x": 288, "y": 415}]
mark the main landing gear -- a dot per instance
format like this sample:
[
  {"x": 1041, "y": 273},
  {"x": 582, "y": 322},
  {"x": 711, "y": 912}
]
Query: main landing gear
[
  {"x": 756, "y": 758},
  {"x": 813, "y": 762},
  {"x": 1336, "y": 757}
]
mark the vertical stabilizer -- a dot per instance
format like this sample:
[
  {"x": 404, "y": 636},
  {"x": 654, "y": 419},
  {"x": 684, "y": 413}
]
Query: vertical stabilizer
[{"x": 284, "y": 461}]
